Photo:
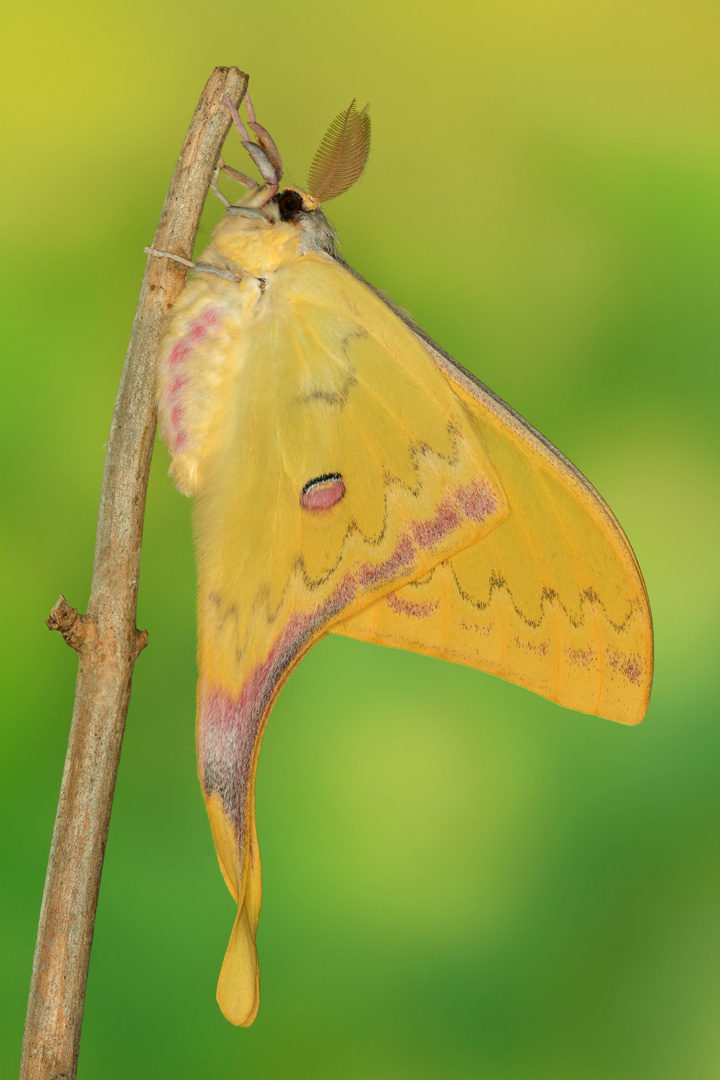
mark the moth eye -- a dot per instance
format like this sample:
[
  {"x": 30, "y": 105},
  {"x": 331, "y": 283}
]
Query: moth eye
[
  {"x": 323, "y": 492},
  {"x": 289, "y": 202}
]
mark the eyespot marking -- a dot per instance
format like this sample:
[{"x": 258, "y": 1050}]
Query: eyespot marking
[{"x": 323, "y": 492}]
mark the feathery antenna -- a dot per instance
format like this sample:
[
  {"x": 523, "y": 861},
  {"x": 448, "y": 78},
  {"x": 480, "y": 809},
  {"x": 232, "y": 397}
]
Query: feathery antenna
[{"x": 342, "y": 154}]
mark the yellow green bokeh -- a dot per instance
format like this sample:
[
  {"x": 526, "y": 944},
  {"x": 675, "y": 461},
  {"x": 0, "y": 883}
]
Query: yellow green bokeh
[{"x": 462, "y": 881}]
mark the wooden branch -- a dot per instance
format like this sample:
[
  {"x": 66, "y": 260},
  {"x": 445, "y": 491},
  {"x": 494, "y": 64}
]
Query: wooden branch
[{"x": 106, "y": 638}]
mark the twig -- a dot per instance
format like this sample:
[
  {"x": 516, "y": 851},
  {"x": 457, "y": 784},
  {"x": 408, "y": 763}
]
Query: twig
[{"x": 106, "y": 638}]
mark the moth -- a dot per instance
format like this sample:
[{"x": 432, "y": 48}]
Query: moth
[{"x": 352, "y": 478}]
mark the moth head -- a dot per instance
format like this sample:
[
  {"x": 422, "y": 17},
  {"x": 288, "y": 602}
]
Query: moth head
[
  {"x": 292, "y": 201},
  {"x": 298, "y": 210},
  {"x": 260, "y": 232},
  {"x": 338, "y": 163},
  {"x": 293, "y": 211}
]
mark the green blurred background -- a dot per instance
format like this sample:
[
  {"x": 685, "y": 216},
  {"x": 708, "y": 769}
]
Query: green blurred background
[{"x": 462, "y": 880}]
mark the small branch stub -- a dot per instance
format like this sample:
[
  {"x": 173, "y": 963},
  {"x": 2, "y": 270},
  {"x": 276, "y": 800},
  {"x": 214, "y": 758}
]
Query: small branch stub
[
  {"x": 76, "y": 629},
  {"x": 141, "y": 641}
]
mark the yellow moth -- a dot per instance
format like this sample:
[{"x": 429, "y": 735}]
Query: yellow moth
[{"x": 352, "y": 478}]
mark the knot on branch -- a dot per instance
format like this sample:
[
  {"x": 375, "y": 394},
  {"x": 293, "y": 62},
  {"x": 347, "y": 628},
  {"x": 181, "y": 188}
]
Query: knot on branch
[
  {"x": 76, "y": 629},
  {"x": 141, "y": 640}
]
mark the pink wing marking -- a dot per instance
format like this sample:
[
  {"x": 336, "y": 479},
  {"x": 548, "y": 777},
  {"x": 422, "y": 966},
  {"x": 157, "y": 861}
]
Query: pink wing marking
[
  {"x": 584, "y": 658},
  {"x": 539, "y": 647},
  {"x": 429, "y": 533},
  {"x": 370, "y": 576},
  {"x": 411, "y": 608},
  {"x": 324, "y": 496},
  {"x": 631, "y": 666},
  {"x": 477, "y": 500}
]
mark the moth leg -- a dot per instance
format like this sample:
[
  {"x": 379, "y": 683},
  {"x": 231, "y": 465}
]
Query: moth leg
[
  {"x": 199, "y": 267},
  {"x": 264, "y": 138},
  {"x": 264, "y": 152},
  {"x": 218, "y": 271},
  {"x": 169, "y": 255},
  {"x": 229, "y": 105},
  {"x": 238, "y": 177},
  {"x": 214, "y": 184}
]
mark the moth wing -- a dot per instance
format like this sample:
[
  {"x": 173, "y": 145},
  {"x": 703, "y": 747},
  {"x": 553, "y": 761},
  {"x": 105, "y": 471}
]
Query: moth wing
[
  {"x": 323, "y": 384},
  {"x": 553, "y": 599}
]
